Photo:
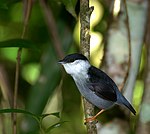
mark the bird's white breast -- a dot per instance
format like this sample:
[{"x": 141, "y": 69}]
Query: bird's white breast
[{"x": 77, "y": 68}]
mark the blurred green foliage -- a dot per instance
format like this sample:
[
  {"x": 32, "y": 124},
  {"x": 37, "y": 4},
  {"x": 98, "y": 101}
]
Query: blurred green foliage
[{"x": 40, "y": 74}]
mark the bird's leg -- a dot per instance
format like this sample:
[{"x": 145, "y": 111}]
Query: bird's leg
[{"x": 94, "y": 117}]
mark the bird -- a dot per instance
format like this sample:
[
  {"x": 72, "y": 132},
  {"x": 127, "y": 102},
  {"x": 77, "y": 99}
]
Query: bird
[{"x": 94, "y": 84}]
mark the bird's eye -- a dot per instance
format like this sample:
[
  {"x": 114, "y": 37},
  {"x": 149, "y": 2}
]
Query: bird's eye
[{"x": 69, "y": 60}]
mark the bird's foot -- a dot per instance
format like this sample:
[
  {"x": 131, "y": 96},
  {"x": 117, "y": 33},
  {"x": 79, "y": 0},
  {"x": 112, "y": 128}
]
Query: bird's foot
[{"x": 90, "y": 119}]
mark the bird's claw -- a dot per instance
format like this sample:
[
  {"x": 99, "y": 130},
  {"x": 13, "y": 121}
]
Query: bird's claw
[{"x": 90, "y": 119}]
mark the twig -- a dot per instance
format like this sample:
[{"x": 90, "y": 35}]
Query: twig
[
  {"x": 27, "y": 10},
  {"x": 85, "y": 13},
  {"x": 105, "y": 36},
  {"x": 51, "y": 24},
  {"x": 129, "y": 46},
  {"x": 14, "y": 115},
  {"x": 143, "y": 126}
]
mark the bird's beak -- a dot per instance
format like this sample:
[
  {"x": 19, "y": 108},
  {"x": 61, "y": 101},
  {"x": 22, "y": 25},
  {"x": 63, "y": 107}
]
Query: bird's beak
[{"x": 61, "y": 62}]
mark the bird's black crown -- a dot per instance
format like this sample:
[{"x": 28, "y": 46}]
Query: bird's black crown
[{"x": 72, "y": 57}]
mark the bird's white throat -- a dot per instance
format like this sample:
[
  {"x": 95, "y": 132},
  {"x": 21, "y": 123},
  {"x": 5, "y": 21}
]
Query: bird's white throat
[{"x": 78, "y": 67}]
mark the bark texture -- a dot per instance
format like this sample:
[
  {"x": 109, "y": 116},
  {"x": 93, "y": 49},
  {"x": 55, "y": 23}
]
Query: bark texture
[{"x": 85, "y": 13}]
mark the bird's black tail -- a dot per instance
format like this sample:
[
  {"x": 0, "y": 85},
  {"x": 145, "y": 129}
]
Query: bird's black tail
[{"x": 127, "y": 104}]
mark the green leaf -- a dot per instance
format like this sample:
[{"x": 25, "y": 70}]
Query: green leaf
[
  {"x": 43, "y": 90},
  {"x": 50, "y": 71},
  {"x": 3, "y": 111},
  {"x": 54, "y": 114},
  {"x": 55, "y": 126},
  {"x": 70, "y": 6},
  {"x": 17, "y": 43}
]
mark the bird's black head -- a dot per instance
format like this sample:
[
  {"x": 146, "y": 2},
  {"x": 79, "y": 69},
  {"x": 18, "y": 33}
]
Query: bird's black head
[{"x": 73, "y": 57}]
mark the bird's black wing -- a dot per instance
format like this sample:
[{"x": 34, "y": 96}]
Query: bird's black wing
[{"x": 102, "y": 84}]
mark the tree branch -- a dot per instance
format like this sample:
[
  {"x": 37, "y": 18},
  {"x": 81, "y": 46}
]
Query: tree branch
[
  {"x": 51, "y": 24},
  {"x": 85, "y": 13},
  {"x": 129, "y": 46},
  {"x": 27, "y": 11}
]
